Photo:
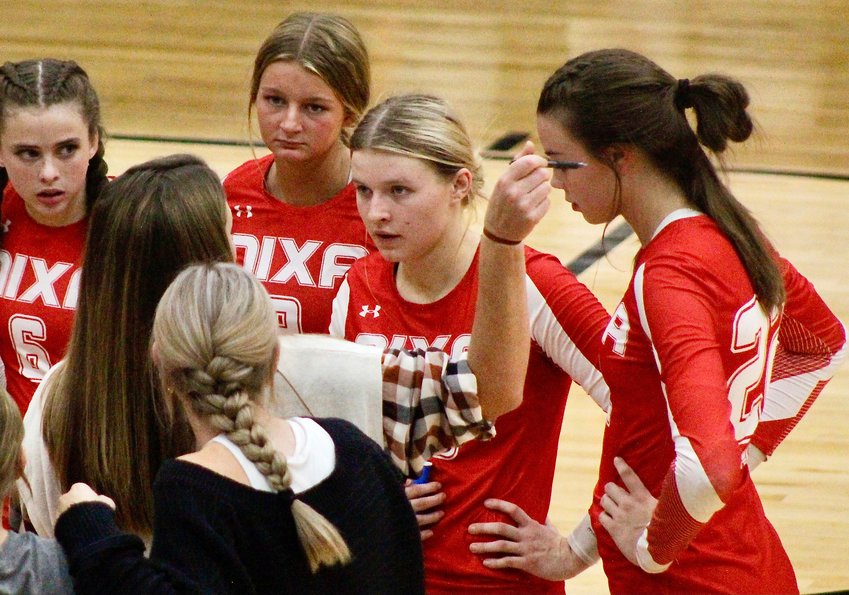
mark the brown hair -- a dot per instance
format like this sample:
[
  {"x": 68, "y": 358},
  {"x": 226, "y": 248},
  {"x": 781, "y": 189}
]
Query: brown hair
[
  {"x": 327, "y": 45},
  {"x": 216, "y": 339},
  {"x": 47, "y": 82},
  {"x": 100, "y": 416},
  {"x": 616, "y": 96}
]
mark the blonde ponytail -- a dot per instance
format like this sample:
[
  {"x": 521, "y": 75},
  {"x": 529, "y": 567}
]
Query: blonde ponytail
[{"x": 322, "y": 542}]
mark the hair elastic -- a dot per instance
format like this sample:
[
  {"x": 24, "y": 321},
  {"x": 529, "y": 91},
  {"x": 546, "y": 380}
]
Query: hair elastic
[
  {"x": 682, "y": 94},
  {"x": 499, "y": 240}
]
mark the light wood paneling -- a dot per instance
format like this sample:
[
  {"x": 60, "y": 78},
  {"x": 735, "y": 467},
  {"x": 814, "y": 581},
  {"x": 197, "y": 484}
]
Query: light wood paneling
[{"x": 182, "y": 68}]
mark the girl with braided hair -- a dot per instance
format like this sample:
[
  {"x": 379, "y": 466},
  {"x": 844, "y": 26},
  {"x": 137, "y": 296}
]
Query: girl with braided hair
[
  {"x": 51, "y": 172},
  {"x": 717, "y": 349}
]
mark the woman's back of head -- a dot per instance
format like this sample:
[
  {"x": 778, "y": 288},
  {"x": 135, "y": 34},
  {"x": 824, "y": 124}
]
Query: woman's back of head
[
  {"x": 215, "y": 331},
  {"x": 215, "y": 337},
  {"x": 101, "y": 421}
]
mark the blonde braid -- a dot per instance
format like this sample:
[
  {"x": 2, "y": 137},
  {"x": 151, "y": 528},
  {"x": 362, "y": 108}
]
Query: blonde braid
[
  {"x": 229, "y": 408},
  {"x": 223, "y": 390},
  {"x": 233, "y": 414}
]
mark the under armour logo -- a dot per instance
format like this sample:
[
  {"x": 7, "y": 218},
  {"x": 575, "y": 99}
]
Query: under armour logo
[
  {"x": 6, "y": 225},
  {"x": 248, "y": 208},
  {"x": 375, "y": 312}
]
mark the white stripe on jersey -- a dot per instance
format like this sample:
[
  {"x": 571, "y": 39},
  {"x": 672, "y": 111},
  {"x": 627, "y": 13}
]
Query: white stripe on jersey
[
  {"x": 339, "y": 312},
  {"x": 785, "y": 397}
]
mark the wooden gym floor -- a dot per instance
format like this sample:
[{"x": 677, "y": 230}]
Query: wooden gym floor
[{"x": 180, "y": 71}]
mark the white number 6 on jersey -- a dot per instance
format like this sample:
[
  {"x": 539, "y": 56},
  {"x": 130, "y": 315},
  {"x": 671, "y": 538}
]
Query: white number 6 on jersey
[{"x": 33, "y": 359}]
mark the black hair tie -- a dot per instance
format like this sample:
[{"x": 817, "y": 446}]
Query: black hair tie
[{"x": 683, "y": 100}]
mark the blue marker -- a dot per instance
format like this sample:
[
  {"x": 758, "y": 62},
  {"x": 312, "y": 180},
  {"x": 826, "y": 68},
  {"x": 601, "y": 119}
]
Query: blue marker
[{"x": 425, "y": 476}]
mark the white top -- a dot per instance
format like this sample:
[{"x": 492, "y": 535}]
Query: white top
[
  {"x": 322, "y": 376},
  {"x": 312, "y": 462},
  {"x": 41, "y": 500}
]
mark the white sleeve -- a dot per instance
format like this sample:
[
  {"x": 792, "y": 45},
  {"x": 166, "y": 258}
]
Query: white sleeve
[
  {"x": 547, "y": 331},
  {"x": 39, "y": 499},
  {"x": 583, "y": 541},
  {"x": 339, "y": 314}
]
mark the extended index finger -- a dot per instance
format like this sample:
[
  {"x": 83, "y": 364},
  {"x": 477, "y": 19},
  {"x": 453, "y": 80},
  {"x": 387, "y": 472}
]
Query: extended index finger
[
  {"x": 527, "y": 149},
  {"x": 508, "y": 508},
  {"x": 631, "y": 480}
]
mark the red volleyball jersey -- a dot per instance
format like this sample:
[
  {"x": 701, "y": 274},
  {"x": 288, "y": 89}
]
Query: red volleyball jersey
[
  {"x": 688, "y": 356},
  {"x": 300, "y": 254},
  {"x": 39, "y": 285},
  {"x": 518, "y": 464}
]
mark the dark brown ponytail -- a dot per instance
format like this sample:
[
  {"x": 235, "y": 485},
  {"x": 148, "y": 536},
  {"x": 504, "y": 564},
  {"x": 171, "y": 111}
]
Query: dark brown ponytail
[{"x": 616, "y": 96}]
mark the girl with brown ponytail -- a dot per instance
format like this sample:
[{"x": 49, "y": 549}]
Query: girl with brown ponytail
[
  {"x": 717, "y": 349},
  {"x": 51, "y": 172}
]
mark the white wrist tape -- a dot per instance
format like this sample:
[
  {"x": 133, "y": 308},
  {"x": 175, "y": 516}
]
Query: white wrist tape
[{"x": 583, "y": 542}]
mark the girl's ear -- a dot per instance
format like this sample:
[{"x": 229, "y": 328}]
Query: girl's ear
[
  {"x": 622, "y": 157},
  {"x": 95, "y": 143},
  {"x": 350, "y": 119},
  {"x": 461, "y": 186}
]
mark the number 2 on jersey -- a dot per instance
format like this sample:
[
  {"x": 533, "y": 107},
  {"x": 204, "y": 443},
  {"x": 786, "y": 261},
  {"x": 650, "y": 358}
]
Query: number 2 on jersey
[{"x": 751, "y": 336}]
